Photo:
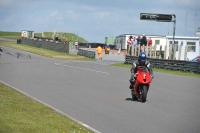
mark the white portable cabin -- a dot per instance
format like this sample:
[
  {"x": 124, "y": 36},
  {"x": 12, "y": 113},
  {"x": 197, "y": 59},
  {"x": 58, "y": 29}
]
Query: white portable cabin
[
  {"x": 27, "y": 34},
  {"x": 192, "y": 43},
  {"x": 121, "y": 41}
]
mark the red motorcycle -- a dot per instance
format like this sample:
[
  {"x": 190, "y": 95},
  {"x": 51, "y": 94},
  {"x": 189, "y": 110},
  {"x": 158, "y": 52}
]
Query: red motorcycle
[{"x": 141, "y": 84}]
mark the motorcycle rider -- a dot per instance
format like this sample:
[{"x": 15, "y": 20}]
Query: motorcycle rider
[
  {"x": 1, "y": 50},
  {"x": 142, "y": 61}
]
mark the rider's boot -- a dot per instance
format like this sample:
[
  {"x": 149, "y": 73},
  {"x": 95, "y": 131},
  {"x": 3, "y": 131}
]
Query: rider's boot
[{"x": 131, "y": 84}]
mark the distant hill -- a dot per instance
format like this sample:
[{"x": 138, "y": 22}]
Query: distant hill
[
  {"x": 6, "y": 33},
  {"x": 61, "y": 35}
]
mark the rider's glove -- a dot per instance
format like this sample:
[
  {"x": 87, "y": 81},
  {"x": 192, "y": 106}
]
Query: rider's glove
[{"x": 135, "y": 75}]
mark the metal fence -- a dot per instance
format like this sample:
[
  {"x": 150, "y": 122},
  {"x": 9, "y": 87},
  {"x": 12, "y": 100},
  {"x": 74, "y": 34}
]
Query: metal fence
[{"x": 169, "y": 64}]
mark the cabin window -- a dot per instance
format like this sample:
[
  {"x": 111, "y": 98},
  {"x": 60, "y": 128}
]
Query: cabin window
[
  {"x": 175, "y": 42},
  {"x": 191, "y": 46},
  {"x": 157, "y": 42}
]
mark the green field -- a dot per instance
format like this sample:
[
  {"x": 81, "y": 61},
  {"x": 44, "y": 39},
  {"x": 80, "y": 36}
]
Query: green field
[{"x": 71, "y": 37}]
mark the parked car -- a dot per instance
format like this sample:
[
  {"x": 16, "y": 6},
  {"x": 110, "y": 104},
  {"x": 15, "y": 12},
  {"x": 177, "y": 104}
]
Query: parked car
[{"x": 196, "y": 59}]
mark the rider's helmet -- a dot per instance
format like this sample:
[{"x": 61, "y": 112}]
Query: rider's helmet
[{"x": 142, "y": 58}]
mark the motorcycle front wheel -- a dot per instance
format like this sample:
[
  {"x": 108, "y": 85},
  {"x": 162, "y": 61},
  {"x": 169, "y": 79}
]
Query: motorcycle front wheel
[{"x": 143, "y": 93}]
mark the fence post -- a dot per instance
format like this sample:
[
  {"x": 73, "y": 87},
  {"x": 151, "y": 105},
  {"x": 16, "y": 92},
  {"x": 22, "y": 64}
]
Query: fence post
[
  {"x": 128, "y": 49},
  {"x": 143, "y": 48},
  {"x": 132, "y": 50},
  {"x": 170, "y": 51},
  {"x": 160, "y": 52},
  {"x": 165, "y": 52},
  {"x": 135, "y": 54},
  {"x": 138, "y": 50},
  {"x": 146, "y": 50},
  {"x": 150, "y": 51},
  {"x": 155, "y": 46},
  {"x": 185, "y": 54},
  {"x": 179, "y": 52},
  {"x": 174, "y": 57}
]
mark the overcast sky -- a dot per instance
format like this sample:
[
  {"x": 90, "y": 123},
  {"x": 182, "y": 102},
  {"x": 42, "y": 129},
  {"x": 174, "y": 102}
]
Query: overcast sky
[{"x": 95, "y": 19}]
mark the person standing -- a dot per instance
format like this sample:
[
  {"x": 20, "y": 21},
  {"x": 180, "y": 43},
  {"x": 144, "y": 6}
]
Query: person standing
[
  {"x": 99, "y": 51},
  {"x": 150, "y": 42},
  {"x": 129, "y": 43},
  {"x": 144, "y": 40},
  {"x": 134, "y": 42},
  {"x": 1, "y": 50},
  {"x": 139, "y": 40},
  {"x": 130, "y": 39}
]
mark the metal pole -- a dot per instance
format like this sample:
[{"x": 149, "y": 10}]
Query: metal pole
[
  {"x": 173, "y": 44},
  {"x": 174, "y": 28},
  {"x": 195, "y": 28},
  {"x": 185, "y": 24}
]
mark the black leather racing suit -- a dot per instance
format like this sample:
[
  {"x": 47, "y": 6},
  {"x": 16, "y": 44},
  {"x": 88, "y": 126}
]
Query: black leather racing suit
[{"x": 135, "y": 64}]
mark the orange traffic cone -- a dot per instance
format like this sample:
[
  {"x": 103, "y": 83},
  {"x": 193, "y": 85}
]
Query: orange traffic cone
[
  {"x": 119, "y": 51},
  {"x": 113, "y": 52}
]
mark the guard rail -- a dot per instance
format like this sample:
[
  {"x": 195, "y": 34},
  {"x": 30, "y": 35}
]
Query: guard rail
[{"x": 169, "y": 64}]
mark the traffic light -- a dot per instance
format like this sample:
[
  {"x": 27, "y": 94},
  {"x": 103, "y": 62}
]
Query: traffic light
[{"x": 164, "y": 18}]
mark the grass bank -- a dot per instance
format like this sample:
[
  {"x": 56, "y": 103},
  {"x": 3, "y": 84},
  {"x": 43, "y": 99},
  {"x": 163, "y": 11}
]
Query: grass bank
[
  {"x": 71, "y": 37},
  {"x": 44, "y": 52}
]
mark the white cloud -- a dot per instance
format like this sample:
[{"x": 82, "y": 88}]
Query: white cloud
[
  {"x": 102, "y": 15},
  {"x": 53, "y": 15},
  {"x": 181, "y": 2},
  {"x": 7, "y": 20},
  {"x": 5, "y": 2},
  {"x": 87, "y": 8},
  {"x": 72, "y": 15}
]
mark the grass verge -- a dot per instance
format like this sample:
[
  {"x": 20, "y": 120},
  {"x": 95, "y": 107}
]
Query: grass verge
[
  {"x": 191, "y": 74},
  {"x": 20, "y": 114}
]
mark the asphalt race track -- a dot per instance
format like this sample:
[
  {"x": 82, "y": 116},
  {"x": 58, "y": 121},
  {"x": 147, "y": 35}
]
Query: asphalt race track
[{"x": 98, "y": 96}]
